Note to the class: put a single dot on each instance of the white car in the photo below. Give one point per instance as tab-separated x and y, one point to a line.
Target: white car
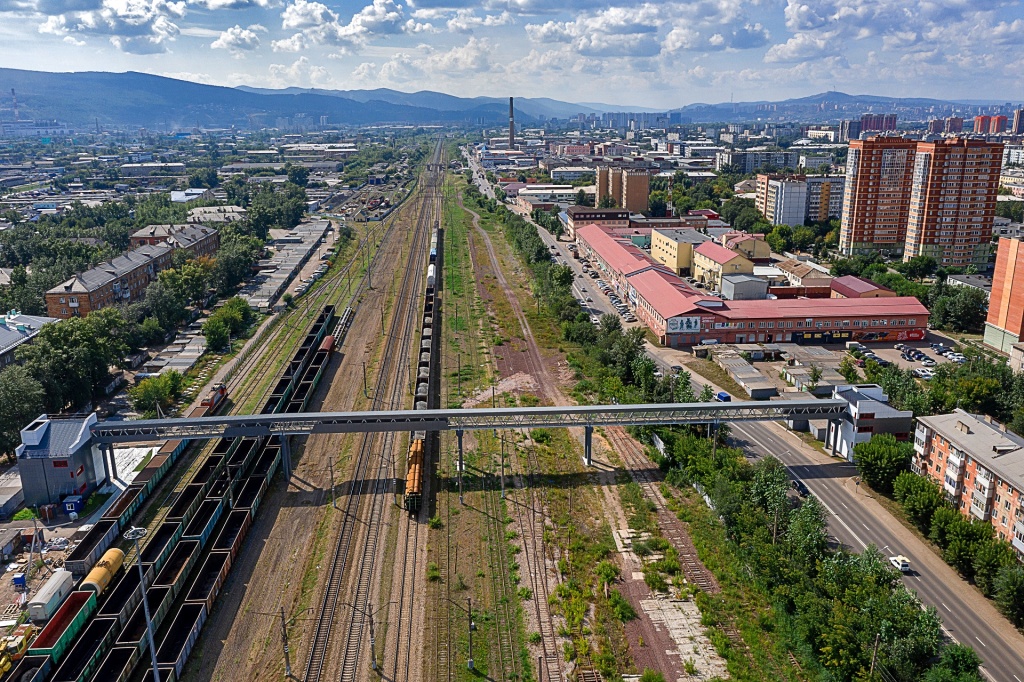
900	563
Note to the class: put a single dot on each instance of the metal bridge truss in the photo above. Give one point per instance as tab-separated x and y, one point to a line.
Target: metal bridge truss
584	416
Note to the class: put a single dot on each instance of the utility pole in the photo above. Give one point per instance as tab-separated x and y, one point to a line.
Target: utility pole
366	390
874	656
503	466
333	502
469	612
284	643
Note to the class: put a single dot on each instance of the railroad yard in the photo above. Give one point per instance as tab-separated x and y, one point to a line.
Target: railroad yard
363	556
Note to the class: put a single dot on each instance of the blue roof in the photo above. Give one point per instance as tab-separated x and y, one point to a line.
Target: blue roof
60	437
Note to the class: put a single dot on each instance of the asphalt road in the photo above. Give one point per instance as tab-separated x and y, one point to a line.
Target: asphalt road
967	617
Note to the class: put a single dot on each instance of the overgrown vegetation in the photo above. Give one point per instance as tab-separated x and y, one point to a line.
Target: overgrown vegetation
829	605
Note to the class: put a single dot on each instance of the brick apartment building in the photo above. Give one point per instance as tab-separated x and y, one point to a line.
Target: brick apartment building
578	216
1005	324
980	467
125	278
953	201
629	188
876	205
198	239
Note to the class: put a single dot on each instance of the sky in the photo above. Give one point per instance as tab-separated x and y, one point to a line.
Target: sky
651	54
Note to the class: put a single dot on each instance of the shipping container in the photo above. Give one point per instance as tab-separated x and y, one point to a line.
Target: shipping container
205	520
50	596
161	544
118	665
65	625
179	565
210	578
87	653
186	503
92	547
31	669
125	505
122	597
232	535
251	493
134	632
181	637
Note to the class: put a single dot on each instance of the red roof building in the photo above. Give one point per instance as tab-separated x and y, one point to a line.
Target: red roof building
850	286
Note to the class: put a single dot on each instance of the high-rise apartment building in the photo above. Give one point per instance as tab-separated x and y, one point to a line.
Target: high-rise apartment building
870	123
1018	122
1005	324
876	200
936	126
982	123
953	201
954	124
997	125
794	199
849	130
629	188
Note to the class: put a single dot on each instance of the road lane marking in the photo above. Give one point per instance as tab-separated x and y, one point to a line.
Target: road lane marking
866	527
949	634
946	607
843	503
917	577
981	642
1014	676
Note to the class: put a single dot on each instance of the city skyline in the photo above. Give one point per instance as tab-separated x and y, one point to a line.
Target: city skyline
624	53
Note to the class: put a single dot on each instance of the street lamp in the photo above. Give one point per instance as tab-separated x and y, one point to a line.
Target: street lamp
135	534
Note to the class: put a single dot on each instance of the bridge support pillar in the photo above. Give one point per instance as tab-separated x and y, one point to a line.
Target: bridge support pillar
458	434
588	445
286	458
109	447
834	426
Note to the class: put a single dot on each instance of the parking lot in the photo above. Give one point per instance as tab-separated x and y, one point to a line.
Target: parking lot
898	356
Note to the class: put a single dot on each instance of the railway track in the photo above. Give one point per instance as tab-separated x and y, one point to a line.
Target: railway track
645	473
389	375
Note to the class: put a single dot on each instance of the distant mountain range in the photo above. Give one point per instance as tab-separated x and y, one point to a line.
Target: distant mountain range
85	99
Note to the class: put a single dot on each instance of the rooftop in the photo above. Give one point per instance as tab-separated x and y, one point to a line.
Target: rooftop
620	257
685	235
996	449
716	252
852	286
96	277
47	438
801	270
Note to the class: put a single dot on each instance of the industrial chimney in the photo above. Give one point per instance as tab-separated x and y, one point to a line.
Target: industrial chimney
511	125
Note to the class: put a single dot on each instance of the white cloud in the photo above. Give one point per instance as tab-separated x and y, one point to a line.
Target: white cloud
801	47
466	20
134	26
238	40
300	73
294	43
232	4
320	25
475	57
71	40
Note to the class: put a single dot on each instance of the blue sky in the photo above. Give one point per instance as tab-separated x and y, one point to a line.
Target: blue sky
657	54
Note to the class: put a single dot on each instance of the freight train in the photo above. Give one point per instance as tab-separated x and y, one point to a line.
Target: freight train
426	393
98	632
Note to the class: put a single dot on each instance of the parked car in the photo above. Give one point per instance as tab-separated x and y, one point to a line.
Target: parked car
927	362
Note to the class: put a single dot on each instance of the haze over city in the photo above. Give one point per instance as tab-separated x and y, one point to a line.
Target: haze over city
644	54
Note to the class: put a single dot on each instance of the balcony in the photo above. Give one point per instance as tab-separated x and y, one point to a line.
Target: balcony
955	459
980	507
1018	533
951	486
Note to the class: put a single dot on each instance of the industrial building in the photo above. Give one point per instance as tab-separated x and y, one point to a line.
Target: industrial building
57	458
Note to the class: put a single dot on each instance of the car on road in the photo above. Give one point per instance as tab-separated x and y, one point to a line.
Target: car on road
801	487
676	368
900	563
723	397
589	300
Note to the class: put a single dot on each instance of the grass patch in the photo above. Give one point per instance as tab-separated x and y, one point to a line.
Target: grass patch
718	376
145	461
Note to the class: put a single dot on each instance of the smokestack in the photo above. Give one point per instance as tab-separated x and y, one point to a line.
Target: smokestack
15	99
511	124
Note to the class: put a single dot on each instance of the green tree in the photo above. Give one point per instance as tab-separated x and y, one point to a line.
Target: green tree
683	389
770	487
989	559
217	333
298	175
607	201
707	394
21	400
203	177
160	390
234	262
808	531
651	676
881	459
849	370
166	303
657	203
919	267
1010	593
920	498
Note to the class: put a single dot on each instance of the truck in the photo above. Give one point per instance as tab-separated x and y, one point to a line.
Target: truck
51	596
723	397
